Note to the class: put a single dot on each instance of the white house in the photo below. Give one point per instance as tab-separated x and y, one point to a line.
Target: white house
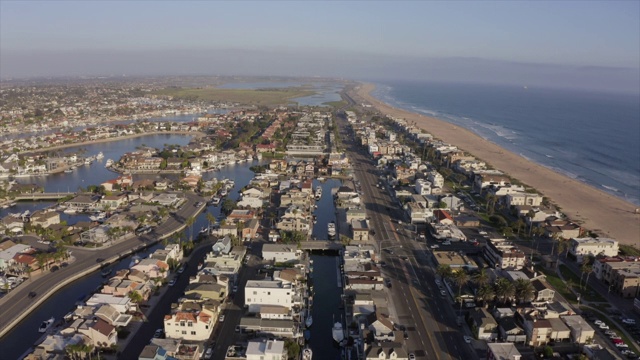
423	187
268	292
266	349
280	253
121	304
588	246
190	325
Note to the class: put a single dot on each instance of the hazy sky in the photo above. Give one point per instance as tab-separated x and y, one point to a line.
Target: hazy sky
574	43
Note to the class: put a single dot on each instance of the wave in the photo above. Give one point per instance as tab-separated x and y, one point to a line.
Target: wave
549	156
610	188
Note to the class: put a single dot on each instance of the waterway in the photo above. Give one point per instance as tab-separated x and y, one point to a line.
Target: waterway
327	295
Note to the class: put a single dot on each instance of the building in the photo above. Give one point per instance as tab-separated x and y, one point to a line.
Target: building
455	260
581	247
386	350
502	351
543	292
269	292
581	331
359	230
280	253
190	325
483	325
504	255
266	349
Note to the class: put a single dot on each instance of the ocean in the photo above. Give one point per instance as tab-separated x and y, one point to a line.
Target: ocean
588	136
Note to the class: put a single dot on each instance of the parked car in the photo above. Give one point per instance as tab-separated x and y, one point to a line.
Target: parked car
604	326
221	318
438	282
209	353
412	356
629	321
598	322
467	339
435	246
32	294
172	282
158	334
443	293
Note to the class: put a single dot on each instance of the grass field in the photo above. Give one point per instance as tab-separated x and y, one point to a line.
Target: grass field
267	97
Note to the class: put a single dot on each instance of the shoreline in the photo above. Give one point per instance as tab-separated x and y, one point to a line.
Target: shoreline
593	209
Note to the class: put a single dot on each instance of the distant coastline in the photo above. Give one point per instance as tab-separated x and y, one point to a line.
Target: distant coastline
593	208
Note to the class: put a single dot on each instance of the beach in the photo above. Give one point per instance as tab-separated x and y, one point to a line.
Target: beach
595	210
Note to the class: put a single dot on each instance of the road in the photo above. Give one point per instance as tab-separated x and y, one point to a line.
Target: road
13	306
429	318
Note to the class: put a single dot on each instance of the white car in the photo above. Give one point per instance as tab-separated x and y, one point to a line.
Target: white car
436	246
604	327
412	356
172	282
209	353
629	321
467	339
598	322
221	318
438	282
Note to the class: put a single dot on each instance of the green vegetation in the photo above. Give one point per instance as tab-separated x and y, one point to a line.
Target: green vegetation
336	104
629	250
589	295
559	285
259	97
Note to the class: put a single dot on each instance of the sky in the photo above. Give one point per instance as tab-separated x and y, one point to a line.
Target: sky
584	44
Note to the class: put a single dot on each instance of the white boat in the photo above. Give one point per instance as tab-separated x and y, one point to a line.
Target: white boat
307	354
68	171
215	200
331	229
223	192
98	217
70	211
108	163
46	325
318	193
309	321
337	332
100	155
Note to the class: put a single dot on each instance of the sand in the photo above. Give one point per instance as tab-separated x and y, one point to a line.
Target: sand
594	209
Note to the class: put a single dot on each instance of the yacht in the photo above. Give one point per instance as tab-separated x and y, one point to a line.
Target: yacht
46	325
98	217
108	163
318	193
100	155
215	201
68	171
309	321
307	354
331	229
70	211
337	332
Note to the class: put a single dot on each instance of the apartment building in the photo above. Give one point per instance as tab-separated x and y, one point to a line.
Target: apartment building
581	247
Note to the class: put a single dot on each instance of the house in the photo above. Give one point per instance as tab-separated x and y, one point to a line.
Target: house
269	327
502	351
100	333
280	253
121	304
250	229
483	325
381	326
212	291
113	201
153	268
581	331
356	214
222	246
359	230
443	217
504	255
386	351
112	316
12	224
190	325
45	219
543	292
269	292
581	247
266	349
510	331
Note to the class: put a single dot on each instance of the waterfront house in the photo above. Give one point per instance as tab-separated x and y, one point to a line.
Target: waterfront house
269	327
269	292
359	230
381	326
83	203
98	235
153	268
581	247
112	316
190	325
385	351
45	219
12	224
280	253
266	349
100	333
122	304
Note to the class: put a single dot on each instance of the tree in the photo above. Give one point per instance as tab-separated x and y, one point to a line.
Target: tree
523	290
460	277
211	219
189	222
547	352
485	294
563	246
444	271
504	289
481	278
585	268
293	349
519	224
491	203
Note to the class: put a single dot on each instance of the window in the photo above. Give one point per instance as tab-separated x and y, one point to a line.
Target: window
184	332
193	333
190	324
181	323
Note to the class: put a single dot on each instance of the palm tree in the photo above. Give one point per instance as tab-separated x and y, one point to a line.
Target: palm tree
189	222
504	289
523	290
563	245
460	277
585	268
481	278
135	297
519	224
444	271
211	219
491	203
485	294
530	215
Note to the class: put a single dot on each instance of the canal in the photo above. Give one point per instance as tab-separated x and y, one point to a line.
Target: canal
326	293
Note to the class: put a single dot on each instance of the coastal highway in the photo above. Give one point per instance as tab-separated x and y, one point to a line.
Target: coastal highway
428	317
17	303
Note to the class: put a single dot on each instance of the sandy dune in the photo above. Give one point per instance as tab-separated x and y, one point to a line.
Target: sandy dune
596	210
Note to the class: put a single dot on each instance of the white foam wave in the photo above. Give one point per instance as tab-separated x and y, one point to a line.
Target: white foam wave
610	188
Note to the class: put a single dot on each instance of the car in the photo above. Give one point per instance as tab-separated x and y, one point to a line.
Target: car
610	332
221	318
438	282
172	282
617	341
412	356
158	334
235	288
436	246
467	339
208	353
406	335
238	328
622	346
604	326
443	293
405	258
598	322
446	243
383	264
32	294
181	269
629	321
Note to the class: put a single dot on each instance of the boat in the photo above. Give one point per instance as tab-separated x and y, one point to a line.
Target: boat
87	161
321	179
307	354
100	155
46	325
68	171
204	230
106	272
309	321
98	217
331	229
70	211
108	163
337	332
318	193
223	192
215	200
